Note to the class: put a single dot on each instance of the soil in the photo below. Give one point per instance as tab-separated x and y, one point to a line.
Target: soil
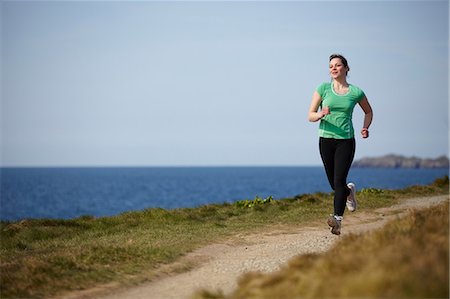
218	266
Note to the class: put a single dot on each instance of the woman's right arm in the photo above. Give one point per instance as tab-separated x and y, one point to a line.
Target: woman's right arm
313	115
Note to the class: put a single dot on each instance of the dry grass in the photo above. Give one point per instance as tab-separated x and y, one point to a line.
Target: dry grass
408	258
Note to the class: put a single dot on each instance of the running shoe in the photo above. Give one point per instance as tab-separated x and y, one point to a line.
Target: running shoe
335	223
351	198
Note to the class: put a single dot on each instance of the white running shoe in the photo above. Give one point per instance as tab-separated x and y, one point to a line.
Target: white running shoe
335	223
351	198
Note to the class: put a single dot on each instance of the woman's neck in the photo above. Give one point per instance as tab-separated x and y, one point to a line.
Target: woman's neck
340	82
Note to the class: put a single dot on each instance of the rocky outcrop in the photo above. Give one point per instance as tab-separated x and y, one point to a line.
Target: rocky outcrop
397	161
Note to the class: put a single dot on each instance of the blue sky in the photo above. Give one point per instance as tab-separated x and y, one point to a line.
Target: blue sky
214	83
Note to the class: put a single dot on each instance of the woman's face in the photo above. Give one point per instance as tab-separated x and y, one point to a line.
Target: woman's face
337	68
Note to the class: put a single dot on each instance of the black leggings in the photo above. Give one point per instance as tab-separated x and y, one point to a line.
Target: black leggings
337	157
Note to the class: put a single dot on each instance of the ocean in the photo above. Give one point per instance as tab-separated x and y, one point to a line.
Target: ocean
66	193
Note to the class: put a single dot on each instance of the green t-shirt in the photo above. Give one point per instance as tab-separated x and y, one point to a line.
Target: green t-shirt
338	124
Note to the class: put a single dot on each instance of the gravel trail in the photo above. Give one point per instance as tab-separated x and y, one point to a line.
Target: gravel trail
218	266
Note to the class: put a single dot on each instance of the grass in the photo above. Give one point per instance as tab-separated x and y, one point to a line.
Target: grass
40	258
408	258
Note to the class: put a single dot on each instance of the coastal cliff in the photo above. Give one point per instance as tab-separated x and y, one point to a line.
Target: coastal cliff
398	161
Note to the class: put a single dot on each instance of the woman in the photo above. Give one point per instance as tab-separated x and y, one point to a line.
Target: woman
337	143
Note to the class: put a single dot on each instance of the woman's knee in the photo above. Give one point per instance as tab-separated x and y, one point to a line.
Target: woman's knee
340	186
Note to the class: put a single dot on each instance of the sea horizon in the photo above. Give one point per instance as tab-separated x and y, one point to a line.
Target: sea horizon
70	192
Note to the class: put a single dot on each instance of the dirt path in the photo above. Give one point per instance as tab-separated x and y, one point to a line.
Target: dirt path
218	266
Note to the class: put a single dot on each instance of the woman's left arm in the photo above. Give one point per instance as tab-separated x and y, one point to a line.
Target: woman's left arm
368	116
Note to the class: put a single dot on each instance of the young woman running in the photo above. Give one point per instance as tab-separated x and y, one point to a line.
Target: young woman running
337	143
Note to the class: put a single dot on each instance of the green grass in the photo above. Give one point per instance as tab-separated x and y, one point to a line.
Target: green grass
408	258
42	257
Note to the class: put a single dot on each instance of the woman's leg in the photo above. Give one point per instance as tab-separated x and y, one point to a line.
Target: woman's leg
327	150
344	154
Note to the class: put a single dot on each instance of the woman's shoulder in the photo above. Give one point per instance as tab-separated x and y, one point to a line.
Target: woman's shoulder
356	88
323	86
357	91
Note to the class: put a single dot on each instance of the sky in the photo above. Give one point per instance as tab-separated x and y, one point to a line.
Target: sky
214	83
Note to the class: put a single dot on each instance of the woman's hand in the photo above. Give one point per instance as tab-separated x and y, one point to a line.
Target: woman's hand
313	115
325	111
368	115
365	133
